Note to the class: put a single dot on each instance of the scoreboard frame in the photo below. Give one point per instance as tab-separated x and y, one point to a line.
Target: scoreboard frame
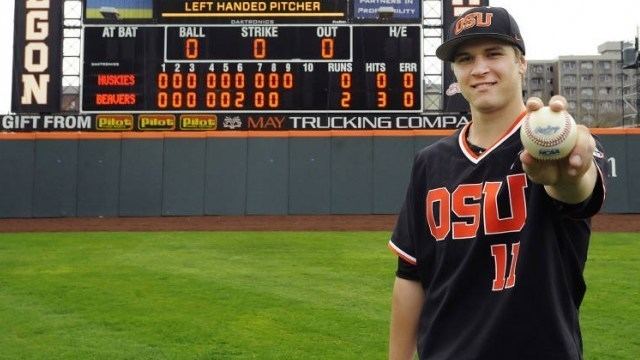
61	99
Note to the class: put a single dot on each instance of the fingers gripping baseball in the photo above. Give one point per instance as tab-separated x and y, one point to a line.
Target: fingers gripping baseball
581	157
568	170
556	103
557	151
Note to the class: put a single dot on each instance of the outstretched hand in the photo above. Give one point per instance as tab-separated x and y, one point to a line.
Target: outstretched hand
562	177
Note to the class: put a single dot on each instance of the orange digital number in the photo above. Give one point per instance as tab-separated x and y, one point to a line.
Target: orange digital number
382	99
176	100
258	81
345	80
287	81
345	101
259	48
381	80
274	99
225	99
258	99
327	46
191	100
239	102
239	81
192	80
163	81
211	81
225	81
163	100
191	46
408	99
176	81
274	80
408	80
211	100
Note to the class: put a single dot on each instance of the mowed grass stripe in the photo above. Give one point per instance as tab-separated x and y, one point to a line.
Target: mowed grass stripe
610	312
244	295
233	295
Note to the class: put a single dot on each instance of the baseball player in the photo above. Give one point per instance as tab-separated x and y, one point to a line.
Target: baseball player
491	242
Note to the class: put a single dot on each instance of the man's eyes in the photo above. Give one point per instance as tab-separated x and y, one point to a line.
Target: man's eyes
465	58
461	59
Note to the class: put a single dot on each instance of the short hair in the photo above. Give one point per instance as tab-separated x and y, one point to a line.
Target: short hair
519	53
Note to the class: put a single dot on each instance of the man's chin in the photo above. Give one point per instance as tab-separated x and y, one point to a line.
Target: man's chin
484	105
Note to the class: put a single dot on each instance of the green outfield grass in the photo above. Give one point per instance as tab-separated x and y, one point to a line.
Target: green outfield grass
244	295
124	13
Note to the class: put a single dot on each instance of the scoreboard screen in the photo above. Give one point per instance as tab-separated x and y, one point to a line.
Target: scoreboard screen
229	65
234	56
275	67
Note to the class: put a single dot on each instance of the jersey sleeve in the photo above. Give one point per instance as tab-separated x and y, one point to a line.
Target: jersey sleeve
402	241
407	271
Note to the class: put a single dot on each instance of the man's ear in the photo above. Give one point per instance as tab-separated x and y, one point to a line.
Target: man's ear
522	64
453	70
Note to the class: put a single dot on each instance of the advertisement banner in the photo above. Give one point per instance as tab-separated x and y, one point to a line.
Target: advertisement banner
387	9
230	122
37	56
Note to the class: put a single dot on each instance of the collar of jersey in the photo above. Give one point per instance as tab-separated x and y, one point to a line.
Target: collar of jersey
471	155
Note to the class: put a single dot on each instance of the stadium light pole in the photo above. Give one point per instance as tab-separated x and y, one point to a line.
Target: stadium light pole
622	79
631	60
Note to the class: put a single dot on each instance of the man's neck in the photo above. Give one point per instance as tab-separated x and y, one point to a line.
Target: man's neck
487	127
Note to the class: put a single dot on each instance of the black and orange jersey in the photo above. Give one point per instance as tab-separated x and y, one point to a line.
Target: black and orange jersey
500	261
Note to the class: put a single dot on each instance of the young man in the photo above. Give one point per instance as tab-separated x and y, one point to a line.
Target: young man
491	242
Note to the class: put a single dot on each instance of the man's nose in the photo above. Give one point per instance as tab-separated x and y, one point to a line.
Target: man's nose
480	66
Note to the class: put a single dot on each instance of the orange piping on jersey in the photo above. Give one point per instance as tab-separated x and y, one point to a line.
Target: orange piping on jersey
507	133
465	144
475	158
404	256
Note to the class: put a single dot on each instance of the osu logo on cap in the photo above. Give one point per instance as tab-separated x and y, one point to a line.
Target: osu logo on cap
473	19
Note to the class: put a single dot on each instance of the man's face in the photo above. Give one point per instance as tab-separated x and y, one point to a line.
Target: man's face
489	74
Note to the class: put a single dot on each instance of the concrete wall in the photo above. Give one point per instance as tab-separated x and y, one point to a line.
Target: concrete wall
236	173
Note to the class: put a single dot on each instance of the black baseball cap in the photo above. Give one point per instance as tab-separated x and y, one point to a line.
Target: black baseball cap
480	23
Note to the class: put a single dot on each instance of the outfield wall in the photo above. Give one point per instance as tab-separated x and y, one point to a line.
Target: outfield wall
236	173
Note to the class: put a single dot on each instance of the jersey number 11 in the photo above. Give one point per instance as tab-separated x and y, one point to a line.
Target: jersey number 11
499	253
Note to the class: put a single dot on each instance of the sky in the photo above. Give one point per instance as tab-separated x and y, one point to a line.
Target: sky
550	28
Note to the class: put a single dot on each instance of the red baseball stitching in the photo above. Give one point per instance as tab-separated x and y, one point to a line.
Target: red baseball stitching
553	141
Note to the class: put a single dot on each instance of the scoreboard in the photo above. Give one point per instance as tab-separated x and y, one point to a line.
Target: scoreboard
222	65
280	67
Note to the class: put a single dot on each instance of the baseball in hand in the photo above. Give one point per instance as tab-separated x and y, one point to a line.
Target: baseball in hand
547	134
